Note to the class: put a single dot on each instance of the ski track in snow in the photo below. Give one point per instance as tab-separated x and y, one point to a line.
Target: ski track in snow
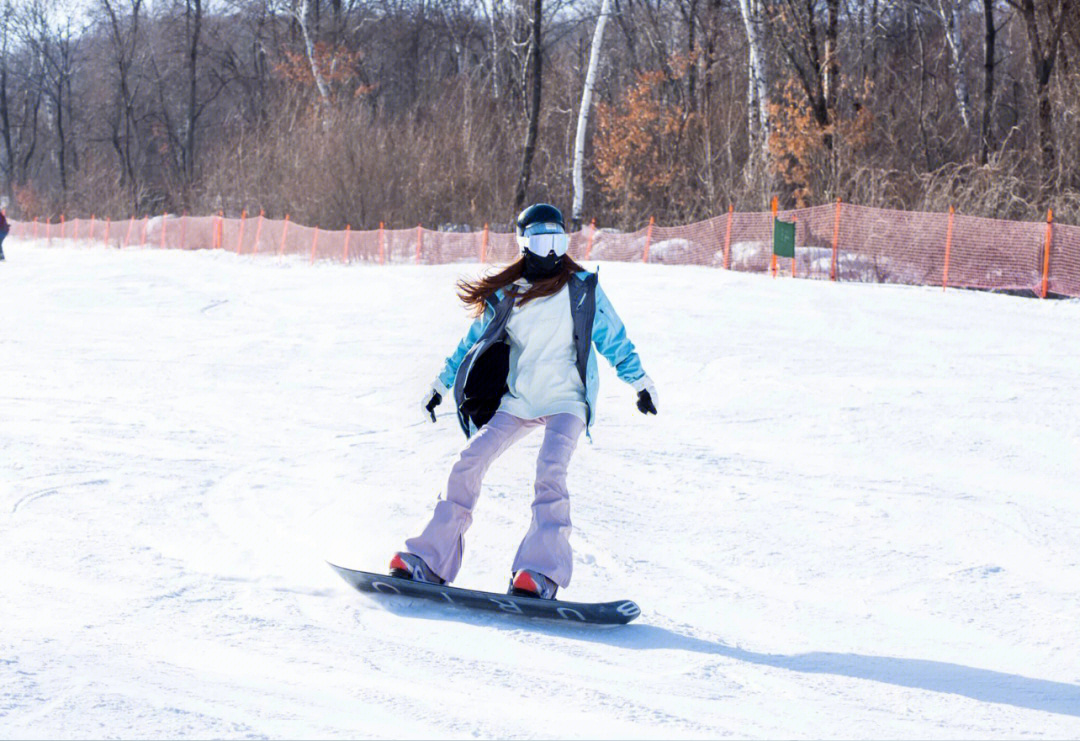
855	515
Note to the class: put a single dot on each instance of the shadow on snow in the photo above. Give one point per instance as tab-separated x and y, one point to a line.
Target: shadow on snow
983	685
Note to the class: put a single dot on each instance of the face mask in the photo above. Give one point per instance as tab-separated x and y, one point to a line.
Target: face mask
539	268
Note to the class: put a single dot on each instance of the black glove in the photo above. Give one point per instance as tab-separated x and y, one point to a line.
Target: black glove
433	401
645	403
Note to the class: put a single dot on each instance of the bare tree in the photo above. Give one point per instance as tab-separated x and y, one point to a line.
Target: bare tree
306	15
124	34
583	112
6	47
193	10
757	84
803	44
1043	50
55	47
989	62
536	65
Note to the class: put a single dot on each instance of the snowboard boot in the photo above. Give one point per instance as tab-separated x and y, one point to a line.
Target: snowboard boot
528	583
405	565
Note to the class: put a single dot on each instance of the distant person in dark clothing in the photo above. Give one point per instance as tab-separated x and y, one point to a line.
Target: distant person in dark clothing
3	232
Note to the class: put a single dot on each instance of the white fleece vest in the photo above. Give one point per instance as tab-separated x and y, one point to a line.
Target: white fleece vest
543	377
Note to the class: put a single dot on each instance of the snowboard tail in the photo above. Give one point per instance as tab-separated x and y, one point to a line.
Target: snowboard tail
600	613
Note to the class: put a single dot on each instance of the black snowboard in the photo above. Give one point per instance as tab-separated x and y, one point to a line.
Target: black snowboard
601	613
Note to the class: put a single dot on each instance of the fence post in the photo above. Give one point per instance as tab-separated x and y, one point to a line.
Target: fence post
93	220
35	227
75	230
794	253
835	241
775	206
108	229
484	245
382	243
240	236
284	231
164	219
1046	251
948	249
345	251
258	231
127	234
592	236
648	239
63	225
727	237
314	242
419	241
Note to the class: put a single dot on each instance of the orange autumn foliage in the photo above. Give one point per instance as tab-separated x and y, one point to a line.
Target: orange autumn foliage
638	141
340	67
805	155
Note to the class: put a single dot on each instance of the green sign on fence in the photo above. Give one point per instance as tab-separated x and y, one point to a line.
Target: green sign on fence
783	240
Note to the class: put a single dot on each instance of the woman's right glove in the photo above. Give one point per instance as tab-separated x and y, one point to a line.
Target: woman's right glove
646	395
431	400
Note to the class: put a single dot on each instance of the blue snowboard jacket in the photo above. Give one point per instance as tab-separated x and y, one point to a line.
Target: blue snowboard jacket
478	369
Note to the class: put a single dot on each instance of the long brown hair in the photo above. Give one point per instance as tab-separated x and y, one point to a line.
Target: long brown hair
476	292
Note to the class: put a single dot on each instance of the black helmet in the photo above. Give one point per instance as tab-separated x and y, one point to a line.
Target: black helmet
539	212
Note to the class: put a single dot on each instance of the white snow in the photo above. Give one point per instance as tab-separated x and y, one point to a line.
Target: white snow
856	514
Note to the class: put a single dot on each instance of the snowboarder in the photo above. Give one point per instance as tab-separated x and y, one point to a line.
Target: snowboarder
527	361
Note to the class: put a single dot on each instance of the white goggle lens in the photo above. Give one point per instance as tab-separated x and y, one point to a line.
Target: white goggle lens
541	244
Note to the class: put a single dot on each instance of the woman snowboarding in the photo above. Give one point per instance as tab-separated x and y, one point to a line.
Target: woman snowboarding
527	361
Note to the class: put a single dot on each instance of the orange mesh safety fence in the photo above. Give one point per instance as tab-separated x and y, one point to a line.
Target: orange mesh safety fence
1065	260
837	241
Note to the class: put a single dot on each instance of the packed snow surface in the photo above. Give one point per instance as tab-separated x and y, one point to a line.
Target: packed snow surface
856	515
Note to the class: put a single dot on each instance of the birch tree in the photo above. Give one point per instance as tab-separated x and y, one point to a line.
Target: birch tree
757	89
304	13
583	113
947	9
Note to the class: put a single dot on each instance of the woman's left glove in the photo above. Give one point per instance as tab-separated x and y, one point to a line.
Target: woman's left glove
432	398
646	395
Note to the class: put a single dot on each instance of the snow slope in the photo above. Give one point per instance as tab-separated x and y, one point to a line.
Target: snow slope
856	514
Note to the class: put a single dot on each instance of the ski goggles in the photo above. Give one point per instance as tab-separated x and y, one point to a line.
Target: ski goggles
542	238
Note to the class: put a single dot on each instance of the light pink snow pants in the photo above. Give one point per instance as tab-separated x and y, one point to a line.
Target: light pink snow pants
546	547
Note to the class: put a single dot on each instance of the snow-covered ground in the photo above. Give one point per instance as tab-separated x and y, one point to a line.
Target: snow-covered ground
856	515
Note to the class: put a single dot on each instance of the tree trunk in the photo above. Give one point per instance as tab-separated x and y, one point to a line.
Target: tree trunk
61	141
583	114
955	41
5	114
306	16
757	90
832	56
535	59
989	40
691	48
493	23
194	23
124	59
1043	55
